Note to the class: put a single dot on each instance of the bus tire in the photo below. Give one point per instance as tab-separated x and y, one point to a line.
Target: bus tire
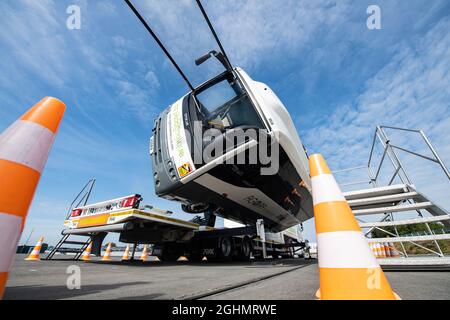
224	250
245	250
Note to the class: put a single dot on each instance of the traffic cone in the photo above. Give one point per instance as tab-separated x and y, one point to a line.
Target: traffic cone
373	249
344	274
382	250
35	254
126	254
387	250
144	254
87	253
24	149
391	250
107	255
394	250
378	249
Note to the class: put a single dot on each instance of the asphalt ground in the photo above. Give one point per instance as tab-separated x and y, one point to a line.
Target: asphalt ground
282	279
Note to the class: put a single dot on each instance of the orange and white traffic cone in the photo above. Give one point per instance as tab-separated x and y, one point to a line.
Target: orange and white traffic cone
348	270
87	253
35	255
24	149
394	250
387	250
382	250
126	254
107	255
373	249
378	249
144	255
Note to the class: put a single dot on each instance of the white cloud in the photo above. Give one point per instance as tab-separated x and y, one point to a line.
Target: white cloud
41	48
152	80
412	91
37	50
106	7
251	31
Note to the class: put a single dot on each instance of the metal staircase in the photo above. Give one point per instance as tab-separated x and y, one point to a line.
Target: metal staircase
392	201
76	247
61	248
397	198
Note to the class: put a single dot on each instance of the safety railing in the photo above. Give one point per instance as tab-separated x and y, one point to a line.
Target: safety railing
389	151
82	197
374	173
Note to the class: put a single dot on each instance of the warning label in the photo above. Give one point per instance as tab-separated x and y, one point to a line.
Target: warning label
185	169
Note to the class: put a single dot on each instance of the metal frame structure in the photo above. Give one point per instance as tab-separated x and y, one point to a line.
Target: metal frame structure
389	150
80	200
82	197
373	171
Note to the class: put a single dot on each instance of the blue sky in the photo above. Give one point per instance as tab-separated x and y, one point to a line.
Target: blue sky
337	78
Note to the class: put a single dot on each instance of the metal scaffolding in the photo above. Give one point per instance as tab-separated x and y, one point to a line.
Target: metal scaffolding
388	199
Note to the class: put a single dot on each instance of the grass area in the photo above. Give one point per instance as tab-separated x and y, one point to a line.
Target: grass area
412	249
417	229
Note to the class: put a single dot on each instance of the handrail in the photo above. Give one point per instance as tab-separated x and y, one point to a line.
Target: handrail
389	150
398	128
349	169
87	189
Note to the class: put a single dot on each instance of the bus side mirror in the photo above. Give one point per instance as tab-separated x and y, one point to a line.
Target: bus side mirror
219	56
203	58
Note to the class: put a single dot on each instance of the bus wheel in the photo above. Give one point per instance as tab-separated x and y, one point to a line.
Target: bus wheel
169	254
223	251
245	250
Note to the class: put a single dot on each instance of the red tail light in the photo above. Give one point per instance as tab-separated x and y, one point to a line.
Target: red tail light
129	202
76	213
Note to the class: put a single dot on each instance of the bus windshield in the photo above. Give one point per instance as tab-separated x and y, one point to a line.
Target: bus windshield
226	105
